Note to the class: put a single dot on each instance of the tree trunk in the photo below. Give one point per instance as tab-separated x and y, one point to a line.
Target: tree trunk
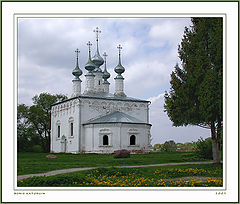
215	145
215	150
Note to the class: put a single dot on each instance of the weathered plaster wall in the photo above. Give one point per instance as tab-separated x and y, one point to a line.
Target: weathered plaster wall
86	138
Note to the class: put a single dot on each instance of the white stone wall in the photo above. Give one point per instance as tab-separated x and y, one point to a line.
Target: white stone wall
76	87
106	87
142	133
86	138
119	87
98	80
89	85
95	108
119	137
63	114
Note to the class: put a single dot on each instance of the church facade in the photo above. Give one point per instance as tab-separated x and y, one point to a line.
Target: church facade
96	121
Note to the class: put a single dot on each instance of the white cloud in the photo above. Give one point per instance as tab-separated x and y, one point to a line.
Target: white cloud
168	32
162	129
155	98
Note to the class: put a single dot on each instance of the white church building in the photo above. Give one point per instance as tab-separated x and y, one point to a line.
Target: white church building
96	121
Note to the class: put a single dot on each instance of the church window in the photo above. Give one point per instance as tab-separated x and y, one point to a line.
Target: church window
99	82
70	126
133	140
71	129
58	131
105	140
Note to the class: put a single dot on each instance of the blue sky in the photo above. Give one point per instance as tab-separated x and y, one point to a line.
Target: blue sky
46	58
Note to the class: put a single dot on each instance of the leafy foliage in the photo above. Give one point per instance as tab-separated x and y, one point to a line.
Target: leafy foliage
176	173
186	147
114	172
58	180
204	148
36	148
157	147
33	123
169	146
196	94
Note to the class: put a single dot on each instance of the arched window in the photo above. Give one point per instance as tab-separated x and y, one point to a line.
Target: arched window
71	126
71	129
58	131
105	140
133	140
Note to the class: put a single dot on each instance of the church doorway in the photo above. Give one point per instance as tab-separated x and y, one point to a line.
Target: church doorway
63	144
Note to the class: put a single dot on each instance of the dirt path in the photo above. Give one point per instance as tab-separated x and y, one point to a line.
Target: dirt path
63	171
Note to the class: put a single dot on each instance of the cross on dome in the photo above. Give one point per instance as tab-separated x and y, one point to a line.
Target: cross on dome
97	59
105	56
77	51
97	31
119	48
89	44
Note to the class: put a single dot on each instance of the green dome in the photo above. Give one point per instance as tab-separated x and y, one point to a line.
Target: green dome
77	72
106	75
98	61
90	66
119	69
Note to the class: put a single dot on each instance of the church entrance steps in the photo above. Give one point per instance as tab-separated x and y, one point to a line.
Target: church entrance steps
63	171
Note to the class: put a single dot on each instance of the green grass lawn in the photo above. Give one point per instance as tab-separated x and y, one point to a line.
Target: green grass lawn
29	163
133	177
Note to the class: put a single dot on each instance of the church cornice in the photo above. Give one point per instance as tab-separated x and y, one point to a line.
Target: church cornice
106	98
116	123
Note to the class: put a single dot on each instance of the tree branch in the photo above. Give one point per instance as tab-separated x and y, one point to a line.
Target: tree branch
204	126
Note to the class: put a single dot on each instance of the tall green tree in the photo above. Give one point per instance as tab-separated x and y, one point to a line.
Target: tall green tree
26	134
196	93
34	122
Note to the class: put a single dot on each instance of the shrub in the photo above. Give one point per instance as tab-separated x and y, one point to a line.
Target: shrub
57	180
157	147
117	172
37	148
123	153
181	172
169	146
204	148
